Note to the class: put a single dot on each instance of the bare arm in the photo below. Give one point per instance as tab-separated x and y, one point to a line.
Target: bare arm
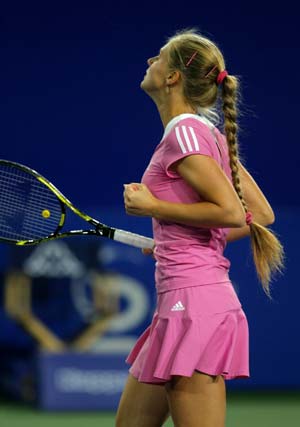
256	202
221	208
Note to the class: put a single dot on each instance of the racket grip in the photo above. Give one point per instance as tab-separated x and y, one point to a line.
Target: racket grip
133	239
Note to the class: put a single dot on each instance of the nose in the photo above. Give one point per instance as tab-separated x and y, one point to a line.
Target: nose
149	61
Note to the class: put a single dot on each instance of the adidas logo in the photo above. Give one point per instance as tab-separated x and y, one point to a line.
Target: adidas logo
178	306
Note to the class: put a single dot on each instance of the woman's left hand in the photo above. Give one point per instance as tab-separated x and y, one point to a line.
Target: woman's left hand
139	200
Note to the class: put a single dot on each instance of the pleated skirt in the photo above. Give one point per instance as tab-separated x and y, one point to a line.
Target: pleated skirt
198	328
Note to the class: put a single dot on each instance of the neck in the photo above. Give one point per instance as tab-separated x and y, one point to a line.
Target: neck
167	114
172	106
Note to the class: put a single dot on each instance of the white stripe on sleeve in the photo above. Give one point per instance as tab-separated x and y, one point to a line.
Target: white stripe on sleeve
194	138
180	142
187	139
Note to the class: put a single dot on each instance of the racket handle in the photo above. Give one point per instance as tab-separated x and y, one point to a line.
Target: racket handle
133	239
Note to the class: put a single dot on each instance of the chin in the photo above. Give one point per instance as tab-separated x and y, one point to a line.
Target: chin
147	86
143	85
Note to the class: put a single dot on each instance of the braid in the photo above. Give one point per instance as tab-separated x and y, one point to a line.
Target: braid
266	248
231	128
200	63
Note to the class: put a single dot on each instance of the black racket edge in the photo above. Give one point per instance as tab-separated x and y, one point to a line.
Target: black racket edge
53	236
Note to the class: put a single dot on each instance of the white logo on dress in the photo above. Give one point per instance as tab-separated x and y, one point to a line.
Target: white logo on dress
178	306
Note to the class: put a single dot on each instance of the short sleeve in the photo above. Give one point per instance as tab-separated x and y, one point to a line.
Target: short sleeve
183	141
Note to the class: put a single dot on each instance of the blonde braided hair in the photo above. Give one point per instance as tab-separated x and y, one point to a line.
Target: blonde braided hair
266	248
200	62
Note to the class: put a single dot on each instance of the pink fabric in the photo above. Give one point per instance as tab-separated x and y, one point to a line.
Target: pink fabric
186	254
207	332
199	323
249	218
221	77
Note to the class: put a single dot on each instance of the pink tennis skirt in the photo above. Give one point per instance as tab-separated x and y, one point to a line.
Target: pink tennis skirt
200	328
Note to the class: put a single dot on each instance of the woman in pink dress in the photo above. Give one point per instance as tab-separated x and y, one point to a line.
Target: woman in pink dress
199	197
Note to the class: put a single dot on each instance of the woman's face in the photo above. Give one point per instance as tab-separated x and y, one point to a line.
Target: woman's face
157	72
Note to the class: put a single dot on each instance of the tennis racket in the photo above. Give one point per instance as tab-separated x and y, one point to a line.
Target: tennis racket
32	210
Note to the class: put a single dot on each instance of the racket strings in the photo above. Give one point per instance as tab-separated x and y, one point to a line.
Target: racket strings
13	203
26	221
28	209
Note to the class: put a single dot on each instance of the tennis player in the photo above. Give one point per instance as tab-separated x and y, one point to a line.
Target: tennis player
200	197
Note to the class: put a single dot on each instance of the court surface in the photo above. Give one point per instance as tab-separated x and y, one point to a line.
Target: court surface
254	409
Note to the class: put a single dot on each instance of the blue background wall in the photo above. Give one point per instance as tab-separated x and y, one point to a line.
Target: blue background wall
71	107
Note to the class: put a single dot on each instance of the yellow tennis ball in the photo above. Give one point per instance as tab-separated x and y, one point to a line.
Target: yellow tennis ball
46	213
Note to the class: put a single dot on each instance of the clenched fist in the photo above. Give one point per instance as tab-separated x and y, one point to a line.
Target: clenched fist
139	200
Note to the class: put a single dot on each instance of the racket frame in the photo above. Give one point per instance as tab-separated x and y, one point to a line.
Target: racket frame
100	229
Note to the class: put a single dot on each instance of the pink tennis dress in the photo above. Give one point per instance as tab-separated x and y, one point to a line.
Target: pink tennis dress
199	323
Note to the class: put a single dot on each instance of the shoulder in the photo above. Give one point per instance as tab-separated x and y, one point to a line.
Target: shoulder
198	123
189	135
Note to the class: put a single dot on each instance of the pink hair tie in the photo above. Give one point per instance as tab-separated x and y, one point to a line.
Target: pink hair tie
249	218
221	77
